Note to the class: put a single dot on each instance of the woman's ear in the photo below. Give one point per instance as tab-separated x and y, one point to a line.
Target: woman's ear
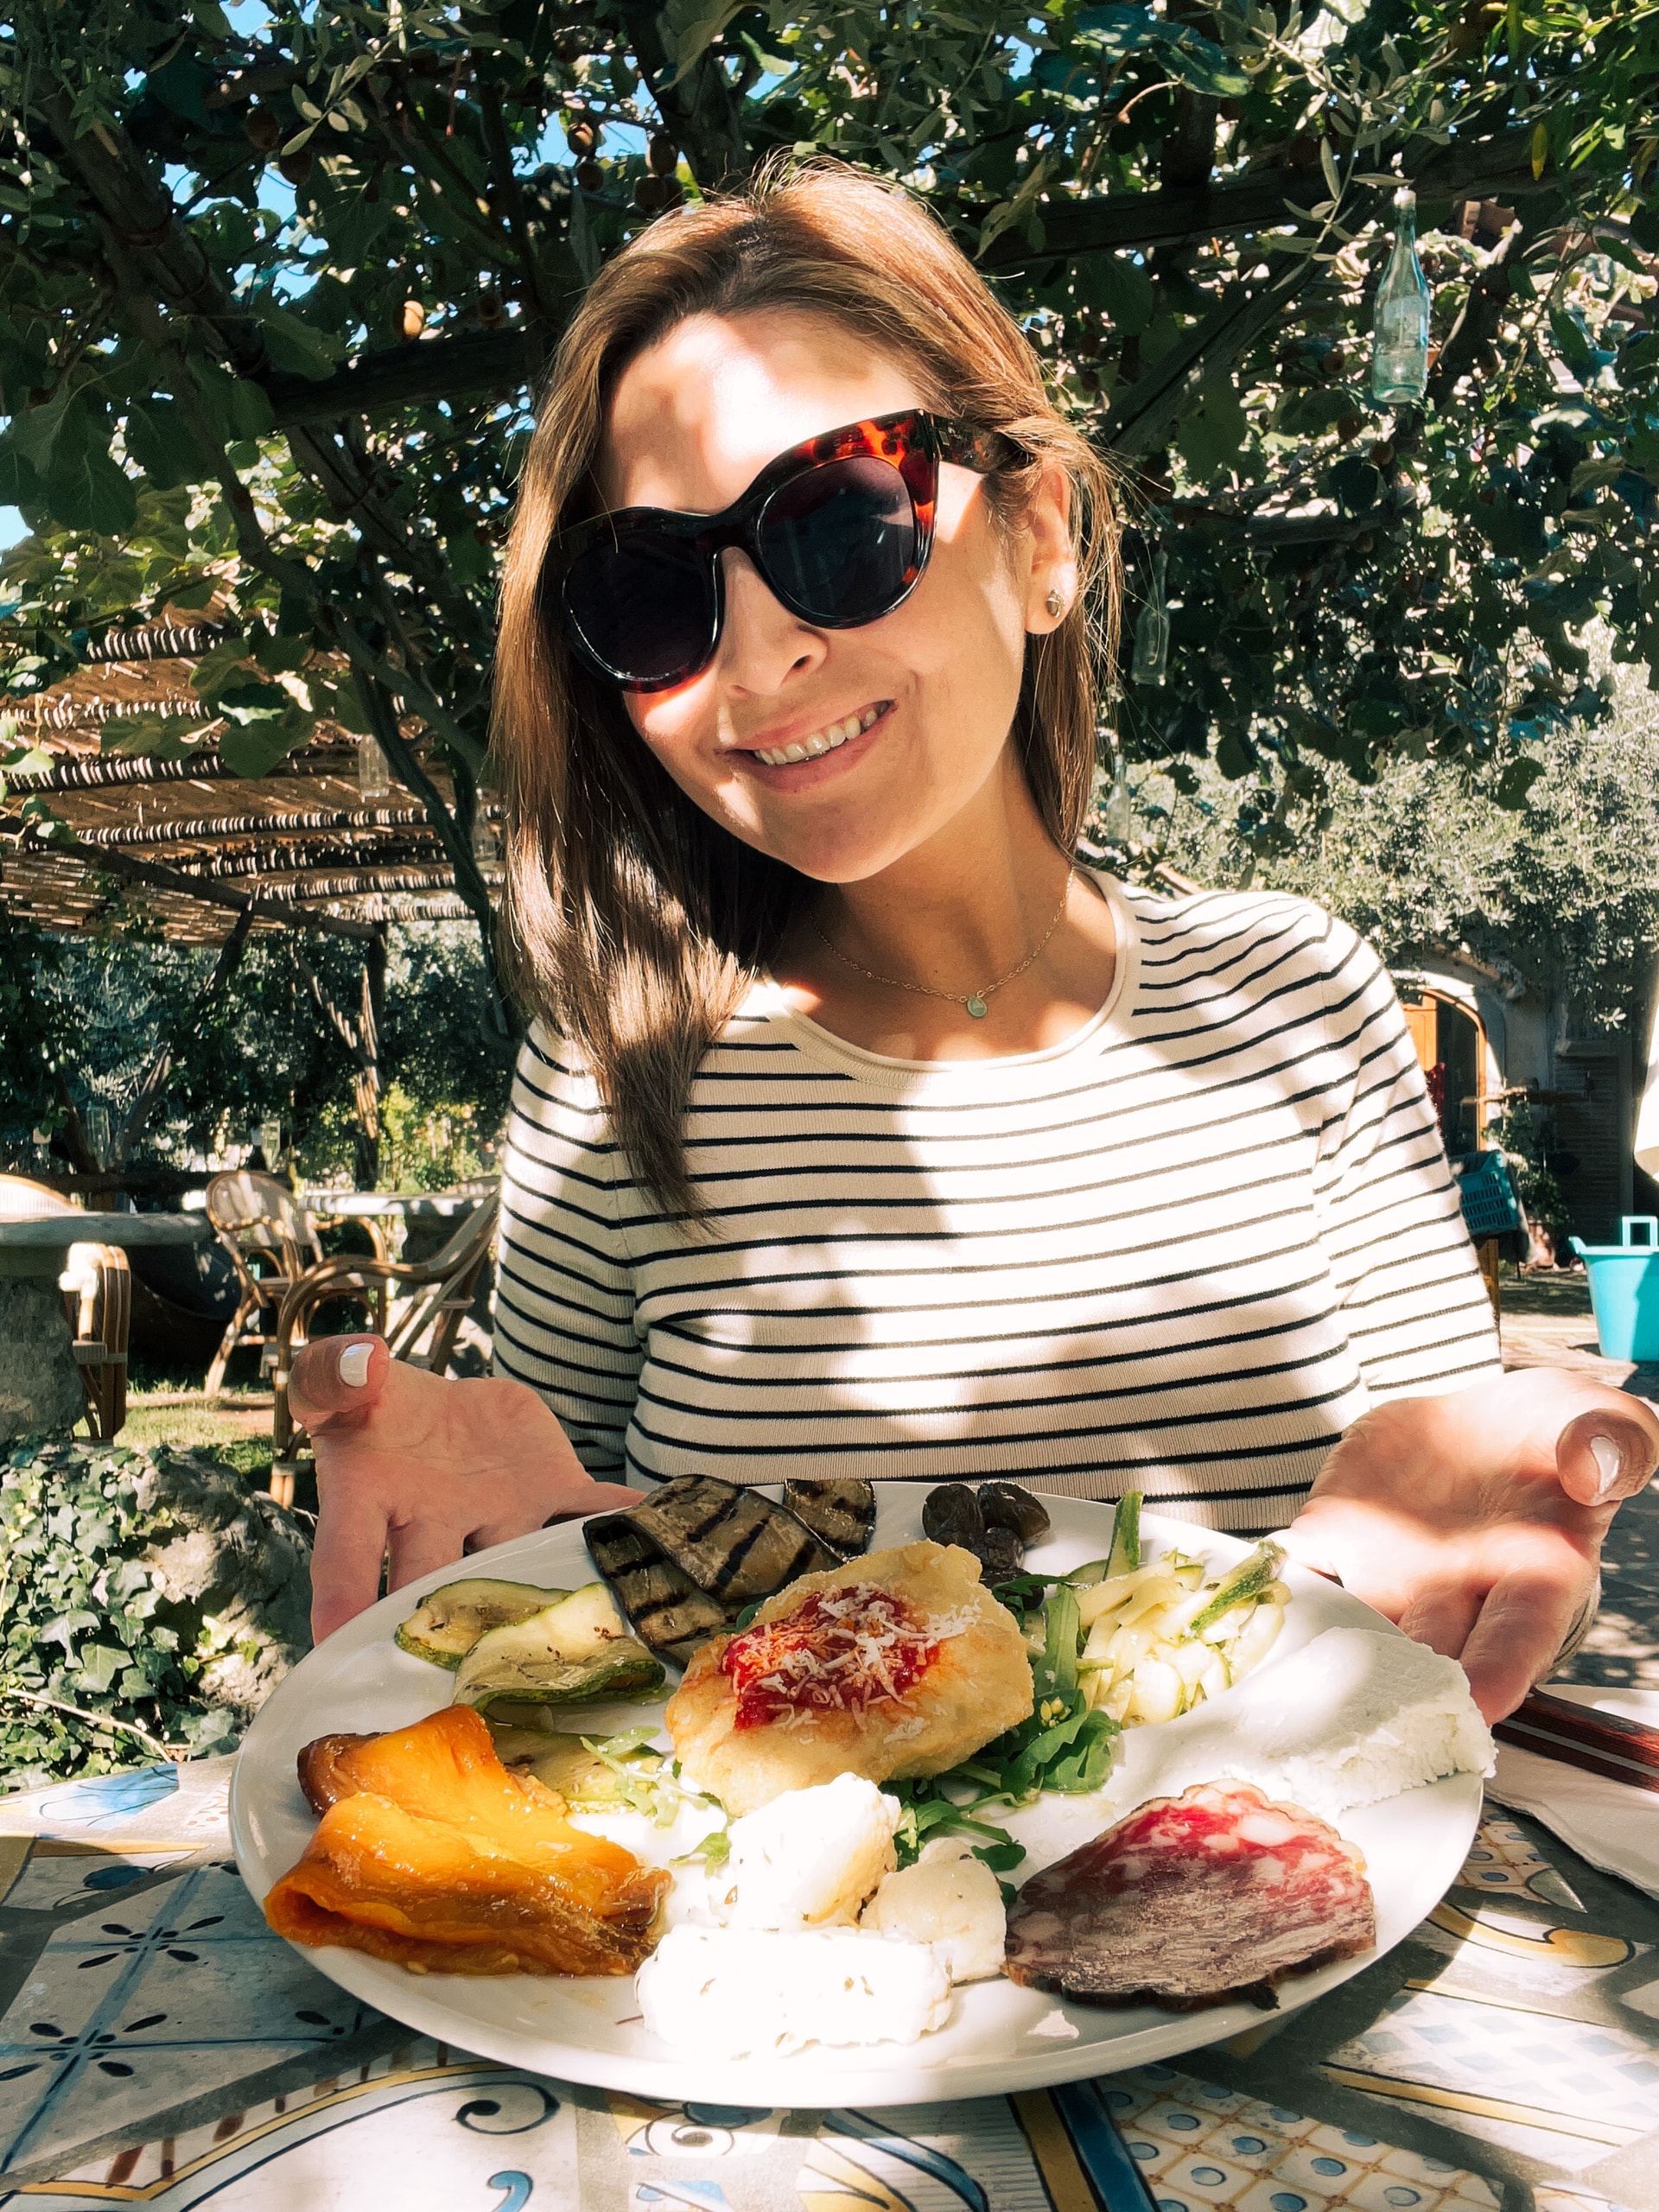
1052	574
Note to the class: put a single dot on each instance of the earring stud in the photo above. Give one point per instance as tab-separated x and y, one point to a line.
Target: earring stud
1055	604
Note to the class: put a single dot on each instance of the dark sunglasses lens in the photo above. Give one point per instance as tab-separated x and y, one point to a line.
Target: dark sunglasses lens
644	606
840	541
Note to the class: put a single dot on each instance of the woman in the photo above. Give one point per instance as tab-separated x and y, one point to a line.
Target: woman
865	1127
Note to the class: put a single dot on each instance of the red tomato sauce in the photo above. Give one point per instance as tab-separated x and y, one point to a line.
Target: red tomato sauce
839	1651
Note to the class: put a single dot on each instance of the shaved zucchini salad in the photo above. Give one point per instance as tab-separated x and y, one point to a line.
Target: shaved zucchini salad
1158	1638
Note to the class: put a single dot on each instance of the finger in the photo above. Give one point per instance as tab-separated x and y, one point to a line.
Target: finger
350	1542
1442	1614
597	1497
336	1377
1608	1453
1522	1627
420	1545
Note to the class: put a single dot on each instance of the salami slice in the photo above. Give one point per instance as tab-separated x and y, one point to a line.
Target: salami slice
1193	1900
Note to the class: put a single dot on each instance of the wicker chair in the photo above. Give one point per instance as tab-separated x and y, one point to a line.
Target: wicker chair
97	1288
272	1244
439	1293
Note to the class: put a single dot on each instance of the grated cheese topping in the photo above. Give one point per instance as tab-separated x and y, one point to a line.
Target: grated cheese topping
840	1651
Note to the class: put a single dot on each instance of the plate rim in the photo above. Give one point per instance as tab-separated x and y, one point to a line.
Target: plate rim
854	2075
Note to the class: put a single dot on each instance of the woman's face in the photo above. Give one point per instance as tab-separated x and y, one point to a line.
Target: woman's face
929	689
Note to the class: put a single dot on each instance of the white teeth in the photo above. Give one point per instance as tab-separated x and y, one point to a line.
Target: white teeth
821	741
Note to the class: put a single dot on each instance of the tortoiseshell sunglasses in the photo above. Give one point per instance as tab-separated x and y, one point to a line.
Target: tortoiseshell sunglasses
839	527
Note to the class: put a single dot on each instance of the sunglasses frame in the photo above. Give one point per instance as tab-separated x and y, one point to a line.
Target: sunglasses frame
913	442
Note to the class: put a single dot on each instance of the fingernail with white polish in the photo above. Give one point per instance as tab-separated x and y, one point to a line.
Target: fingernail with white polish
354	1369
1607	1458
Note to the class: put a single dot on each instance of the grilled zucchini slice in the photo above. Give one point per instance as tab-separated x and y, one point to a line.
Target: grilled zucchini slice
571	1652
563	1763
450	1621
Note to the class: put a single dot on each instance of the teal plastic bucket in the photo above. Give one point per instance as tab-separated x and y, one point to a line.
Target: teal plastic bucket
1624	1290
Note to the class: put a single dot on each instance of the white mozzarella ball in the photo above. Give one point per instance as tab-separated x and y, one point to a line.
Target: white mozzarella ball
810	1859
737	1992
949	1900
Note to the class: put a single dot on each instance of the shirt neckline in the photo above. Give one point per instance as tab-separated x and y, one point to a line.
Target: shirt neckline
768	999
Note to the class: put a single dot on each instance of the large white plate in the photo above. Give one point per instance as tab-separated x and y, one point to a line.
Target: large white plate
999	2037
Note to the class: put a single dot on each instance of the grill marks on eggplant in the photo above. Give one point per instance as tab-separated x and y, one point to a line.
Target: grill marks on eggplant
840	1510
670	1615
685	1562
734	1543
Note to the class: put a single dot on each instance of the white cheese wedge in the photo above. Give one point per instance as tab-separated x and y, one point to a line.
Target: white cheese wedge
740	1993
948	1900
1355	1716
809	1860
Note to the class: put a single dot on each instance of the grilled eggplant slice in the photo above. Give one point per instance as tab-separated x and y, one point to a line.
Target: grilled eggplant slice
450	1621
732	1541
572	1652
840	1511
668	1614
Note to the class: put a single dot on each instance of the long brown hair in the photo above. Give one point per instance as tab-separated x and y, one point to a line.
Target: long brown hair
636	922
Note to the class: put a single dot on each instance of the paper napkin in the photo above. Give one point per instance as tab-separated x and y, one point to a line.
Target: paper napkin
1610	1824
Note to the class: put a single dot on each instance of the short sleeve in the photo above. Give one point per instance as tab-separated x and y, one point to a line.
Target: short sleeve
1415	1308
564	1317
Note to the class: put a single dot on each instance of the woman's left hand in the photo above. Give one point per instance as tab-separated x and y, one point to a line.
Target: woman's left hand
1475	1521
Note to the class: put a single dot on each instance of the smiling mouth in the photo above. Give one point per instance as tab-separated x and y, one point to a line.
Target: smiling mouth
824	740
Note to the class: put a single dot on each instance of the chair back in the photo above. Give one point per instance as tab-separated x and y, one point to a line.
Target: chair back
258	1217
467	1246
445	1284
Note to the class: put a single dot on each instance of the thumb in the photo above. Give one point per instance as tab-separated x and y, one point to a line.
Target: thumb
1607	1454
335	1379
601	1497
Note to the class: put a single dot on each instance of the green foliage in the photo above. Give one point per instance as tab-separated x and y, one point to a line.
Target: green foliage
348	175
97	1666
259	1051
1433	854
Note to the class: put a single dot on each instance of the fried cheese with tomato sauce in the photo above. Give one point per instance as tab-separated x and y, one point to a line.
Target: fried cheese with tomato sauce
896	1664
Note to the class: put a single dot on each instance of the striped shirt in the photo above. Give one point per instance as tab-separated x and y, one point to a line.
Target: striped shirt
1181	1252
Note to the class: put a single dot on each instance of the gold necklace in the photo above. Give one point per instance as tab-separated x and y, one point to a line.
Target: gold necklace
974	1003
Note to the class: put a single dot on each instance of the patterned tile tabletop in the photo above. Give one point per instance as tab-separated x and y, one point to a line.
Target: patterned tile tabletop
159	2047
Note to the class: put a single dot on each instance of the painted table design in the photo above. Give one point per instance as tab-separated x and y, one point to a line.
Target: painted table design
159	2047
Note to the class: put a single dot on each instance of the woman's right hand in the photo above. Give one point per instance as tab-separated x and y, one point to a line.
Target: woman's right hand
422	1468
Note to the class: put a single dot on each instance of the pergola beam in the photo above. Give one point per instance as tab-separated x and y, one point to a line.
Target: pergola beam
123	866
214	827
106	774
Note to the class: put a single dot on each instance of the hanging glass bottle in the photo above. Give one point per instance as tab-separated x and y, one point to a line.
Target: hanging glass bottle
1117	816
373	770
1149	662
485	851
1400	324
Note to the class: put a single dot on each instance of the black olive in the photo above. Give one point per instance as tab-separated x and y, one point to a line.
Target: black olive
951	1514
1000	1554
1006	1505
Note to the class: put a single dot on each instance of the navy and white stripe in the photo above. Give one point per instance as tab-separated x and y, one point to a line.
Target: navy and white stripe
1182	1252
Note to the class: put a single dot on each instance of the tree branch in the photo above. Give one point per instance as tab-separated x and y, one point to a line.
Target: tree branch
699	112
1491	169
1477	324
142	222
1137	421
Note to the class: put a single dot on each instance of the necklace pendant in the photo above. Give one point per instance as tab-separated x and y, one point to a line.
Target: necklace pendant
976	1007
